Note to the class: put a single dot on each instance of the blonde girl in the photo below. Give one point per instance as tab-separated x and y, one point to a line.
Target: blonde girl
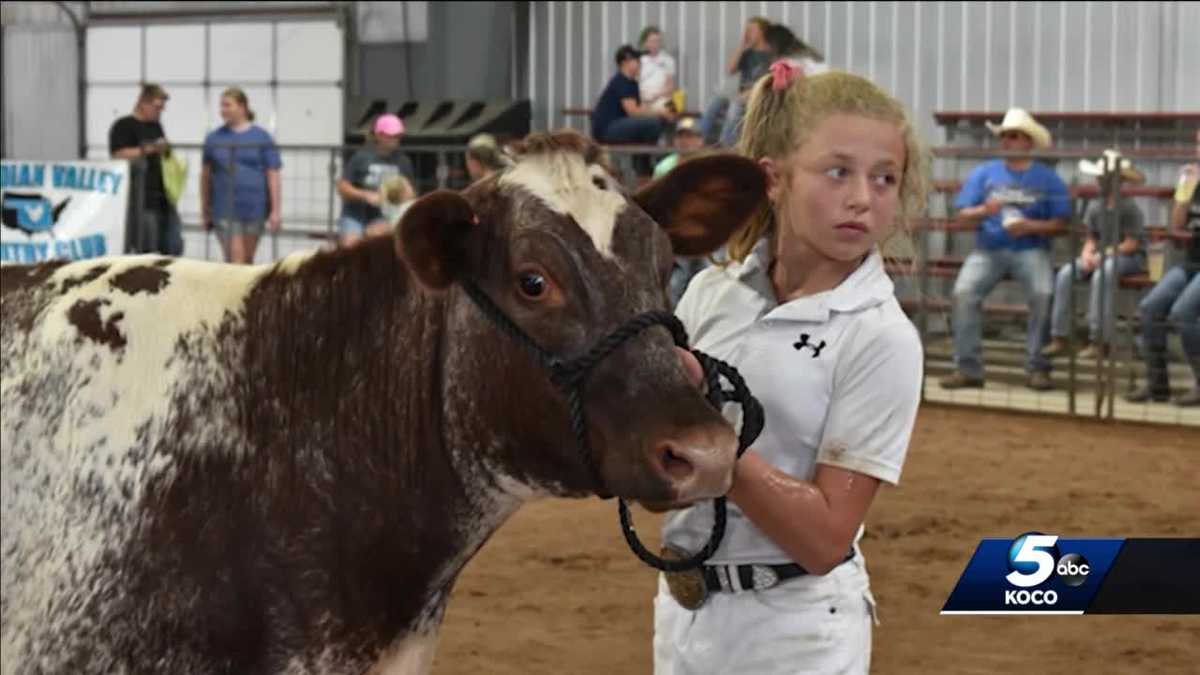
807	314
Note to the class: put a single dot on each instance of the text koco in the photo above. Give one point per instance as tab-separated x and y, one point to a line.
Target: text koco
1024	597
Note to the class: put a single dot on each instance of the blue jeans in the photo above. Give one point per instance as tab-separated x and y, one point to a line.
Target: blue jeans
1115	267
980	273
733	122
633	130
161	231
1174	301
714	112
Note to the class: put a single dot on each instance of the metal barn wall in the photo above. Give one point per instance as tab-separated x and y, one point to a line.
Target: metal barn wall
1068	56
471	54
40	81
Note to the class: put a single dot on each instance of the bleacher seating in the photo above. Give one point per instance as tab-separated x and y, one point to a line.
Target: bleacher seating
1158	142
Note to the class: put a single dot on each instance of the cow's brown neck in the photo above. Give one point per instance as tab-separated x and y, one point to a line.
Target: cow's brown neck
352	469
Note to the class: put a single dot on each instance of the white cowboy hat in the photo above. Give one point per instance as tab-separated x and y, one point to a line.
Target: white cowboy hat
1110	160
1017	119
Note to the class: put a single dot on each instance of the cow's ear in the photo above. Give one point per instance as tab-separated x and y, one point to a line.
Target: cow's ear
702	201
432	237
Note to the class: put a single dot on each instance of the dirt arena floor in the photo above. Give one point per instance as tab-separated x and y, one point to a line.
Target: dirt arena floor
557	591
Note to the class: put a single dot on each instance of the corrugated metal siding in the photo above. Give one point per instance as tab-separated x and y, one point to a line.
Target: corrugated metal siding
1069	56
38	13
41	94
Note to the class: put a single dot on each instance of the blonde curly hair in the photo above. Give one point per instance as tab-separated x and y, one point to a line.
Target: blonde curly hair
778	122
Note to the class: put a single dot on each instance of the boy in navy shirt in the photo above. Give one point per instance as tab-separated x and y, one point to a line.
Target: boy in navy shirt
1016	203
620	117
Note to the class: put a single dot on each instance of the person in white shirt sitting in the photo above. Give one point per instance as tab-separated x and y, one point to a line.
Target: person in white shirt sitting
657	80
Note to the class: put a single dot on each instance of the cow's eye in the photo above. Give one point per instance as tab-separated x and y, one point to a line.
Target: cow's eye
533	285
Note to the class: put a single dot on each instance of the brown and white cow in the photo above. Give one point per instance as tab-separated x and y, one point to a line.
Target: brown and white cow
282	469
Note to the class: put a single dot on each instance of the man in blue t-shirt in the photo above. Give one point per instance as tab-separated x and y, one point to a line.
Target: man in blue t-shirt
1016	203
620	117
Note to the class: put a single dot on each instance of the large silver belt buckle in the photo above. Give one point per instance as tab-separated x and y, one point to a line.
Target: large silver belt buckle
687	587
764	577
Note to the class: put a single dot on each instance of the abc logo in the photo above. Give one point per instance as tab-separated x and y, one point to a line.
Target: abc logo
1073	569
1032	559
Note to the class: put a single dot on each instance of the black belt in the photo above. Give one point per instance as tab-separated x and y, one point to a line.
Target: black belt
753	577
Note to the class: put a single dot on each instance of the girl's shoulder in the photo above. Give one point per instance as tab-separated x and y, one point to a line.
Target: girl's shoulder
885	326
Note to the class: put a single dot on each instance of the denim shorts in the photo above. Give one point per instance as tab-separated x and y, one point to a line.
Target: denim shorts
352	225
233	227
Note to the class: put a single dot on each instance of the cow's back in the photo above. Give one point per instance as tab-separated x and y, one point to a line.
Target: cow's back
101	362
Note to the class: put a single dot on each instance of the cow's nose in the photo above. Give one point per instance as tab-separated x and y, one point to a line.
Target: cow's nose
696	466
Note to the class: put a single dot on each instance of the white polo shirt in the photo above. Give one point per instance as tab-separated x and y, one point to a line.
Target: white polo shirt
654	73
838	374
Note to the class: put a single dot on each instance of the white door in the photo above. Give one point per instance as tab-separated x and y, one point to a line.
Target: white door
291	71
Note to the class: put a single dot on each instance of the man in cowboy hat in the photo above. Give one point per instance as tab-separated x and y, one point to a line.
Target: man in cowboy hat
1016	204
1126	258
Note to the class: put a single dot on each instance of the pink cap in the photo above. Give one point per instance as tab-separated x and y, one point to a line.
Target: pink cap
389	125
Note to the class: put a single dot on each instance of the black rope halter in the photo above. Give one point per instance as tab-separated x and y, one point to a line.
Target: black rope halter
570	375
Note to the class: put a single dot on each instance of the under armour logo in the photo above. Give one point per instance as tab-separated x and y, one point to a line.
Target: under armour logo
816	349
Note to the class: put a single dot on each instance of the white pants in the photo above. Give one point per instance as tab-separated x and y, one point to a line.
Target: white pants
811	624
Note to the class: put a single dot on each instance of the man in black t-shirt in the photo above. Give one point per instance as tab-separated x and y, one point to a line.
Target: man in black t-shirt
140	138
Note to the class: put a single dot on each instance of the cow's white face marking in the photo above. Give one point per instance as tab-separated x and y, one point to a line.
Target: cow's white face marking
567	185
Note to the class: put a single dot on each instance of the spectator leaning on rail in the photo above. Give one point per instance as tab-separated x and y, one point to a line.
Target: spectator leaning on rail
1016	203
361	179
140	135
620	117
1126	258
656	81
239	181
1175	301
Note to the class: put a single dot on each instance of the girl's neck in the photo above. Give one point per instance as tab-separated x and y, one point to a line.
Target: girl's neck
240	126
797	271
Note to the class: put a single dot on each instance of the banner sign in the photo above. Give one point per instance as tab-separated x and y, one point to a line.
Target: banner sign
1040	573
66	210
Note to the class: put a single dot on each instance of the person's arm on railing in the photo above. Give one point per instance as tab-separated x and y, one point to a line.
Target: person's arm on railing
273	192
